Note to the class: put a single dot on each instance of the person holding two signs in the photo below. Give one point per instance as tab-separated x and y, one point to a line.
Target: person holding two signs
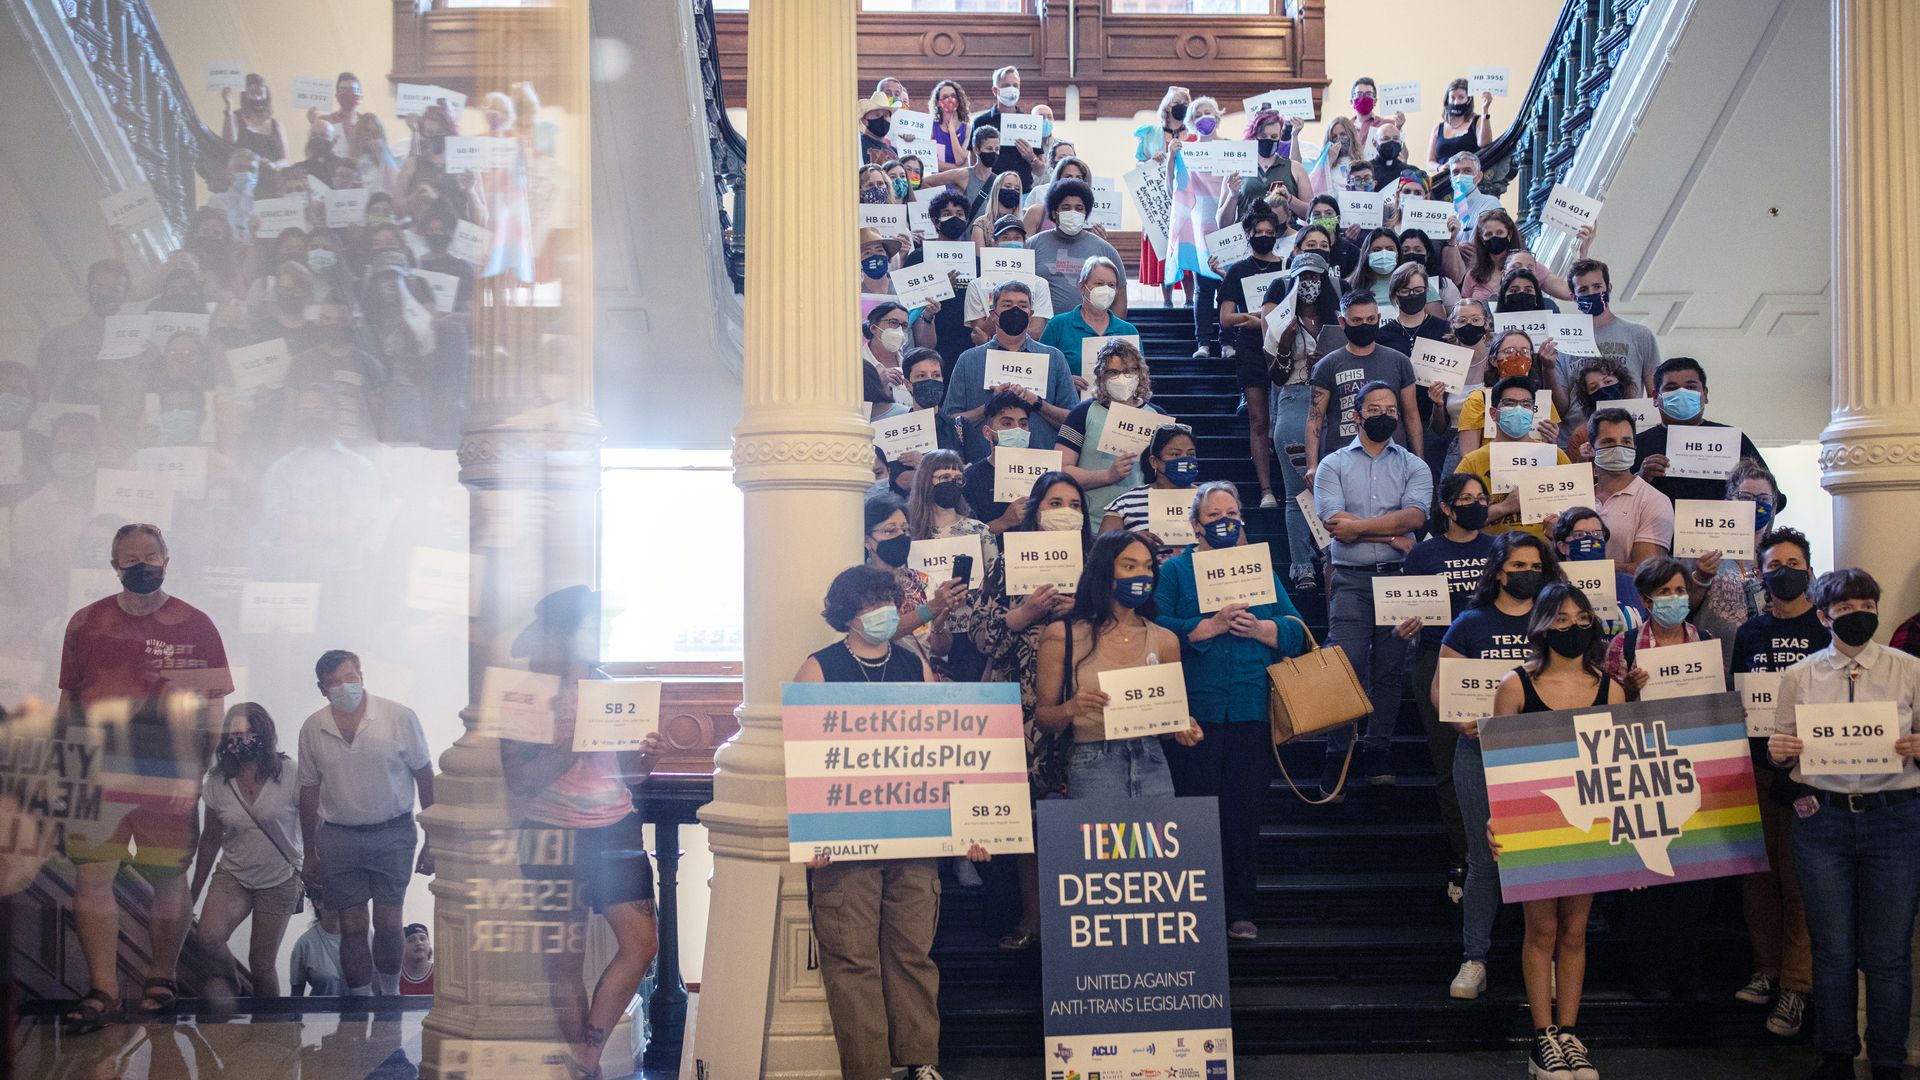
1094	433
1224	653
1846	727
1680	385
1514	404
1173	461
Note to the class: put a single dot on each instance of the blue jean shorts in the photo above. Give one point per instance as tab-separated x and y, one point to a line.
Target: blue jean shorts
1119	769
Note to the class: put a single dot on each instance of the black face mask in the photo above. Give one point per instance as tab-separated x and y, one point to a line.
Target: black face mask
1009	198
142	578
989	157
1262	245
1390	150
1362	334
1616	392
1459	108
1497	245
1267	146
1380	428
1571	641
879	126
1469	334
893	550
1519	301
1786	583
1410	303
952	228
237	750
1014	321
929	392
1471	517
947	494
1178	111
1856	628
1523	584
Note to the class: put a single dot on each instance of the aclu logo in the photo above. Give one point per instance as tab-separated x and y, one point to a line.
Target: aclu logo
1105	1051
1216	1070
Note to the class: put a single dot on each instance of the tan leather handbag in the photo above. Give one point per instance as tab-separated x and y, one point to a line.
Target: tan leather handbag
1311	693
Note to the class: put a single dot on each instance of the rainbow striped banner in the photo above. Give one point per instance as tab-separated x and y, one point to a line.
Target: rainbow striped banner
869	764
1647	793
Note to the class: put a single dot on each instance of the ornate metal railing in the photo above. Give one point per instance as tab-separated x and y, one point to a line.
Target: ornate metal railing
1581	56
729	150
130	64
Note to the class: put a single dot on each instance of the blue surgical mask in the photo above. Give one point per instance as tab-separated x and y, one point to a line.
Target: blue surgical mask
1762	515
1132	592
347	696
1681	404
1593	303
243	183
1670	611
1515	422
1382	262
14	410
320	261
874	266
878	626
1013	438
1011	244
1221	532
1182	471
179	427
1586	547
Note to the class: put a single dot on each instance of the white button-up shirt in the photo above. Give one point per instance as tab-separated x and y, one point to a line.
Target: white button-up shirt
369	780
1829	677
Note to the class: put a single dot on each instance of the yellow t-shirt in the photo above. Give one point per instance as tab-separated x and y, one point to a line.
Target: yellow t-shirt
1473	414
1480	464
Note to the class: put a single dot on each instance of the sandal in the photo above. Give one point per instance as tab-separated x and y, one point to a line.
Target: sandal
90	1015
164	993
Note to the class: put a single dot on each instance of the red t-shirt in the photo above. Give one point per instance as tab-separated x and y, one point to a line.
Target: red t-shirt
408	986
111	654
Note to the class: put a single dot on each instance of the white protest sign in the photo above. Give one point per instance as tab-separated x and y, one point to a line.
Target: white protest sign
1467	687
437	580
226	75
1507	460
1167	515
1033	559
1431	216
1568	209
908	433
446	288
1253	289
1026	126
163	325
1294	104
1281	317
1701	452
1438	362
1760	693
1235	575
1849	738
131	495
416	243
1537	325
1322	539
1554	489
1399	97
134	209
470	242
615	714
467	153
958	255
1016	468
278	215
1129	429
265	364
1221	157
1367	209
996	817
1675	671
1574	332
1596	578
914	286
911	125
933	559
1000	260
412	99
1229	245
1024	369
1491	80
185	466
1090	350
1646	412
1148	184
125	336
889	218
1147	700
920	212
13	459
517	705
316	189
1398	597
312	92
287	607
346	206
1106	204
1703	525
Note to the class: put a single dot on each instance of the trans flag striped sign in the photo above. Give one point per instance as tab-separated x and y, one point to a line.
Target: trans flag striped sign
1647	793
870	766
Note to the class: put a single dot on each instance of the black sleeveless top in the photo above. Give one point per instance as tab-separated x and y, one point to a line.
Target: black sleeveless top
838	664
1449	146
1534	704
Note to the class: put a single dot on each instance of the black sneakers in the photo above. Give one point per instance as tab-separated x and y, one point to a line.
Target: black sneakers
1547	1061
1377	767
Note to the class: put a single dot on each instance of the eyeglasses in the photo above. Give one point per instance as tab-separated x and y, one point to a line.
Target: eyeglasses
1527	405
1763	500
1514	354
1583	620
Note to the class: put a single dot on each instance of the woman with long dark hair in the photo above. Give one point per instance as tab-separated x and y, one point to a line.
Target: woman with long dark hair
253	826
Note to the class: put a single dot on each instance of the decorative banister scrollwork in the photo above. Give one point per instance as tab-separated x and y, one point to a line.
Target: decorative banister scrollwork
1582	53
129	62
729	149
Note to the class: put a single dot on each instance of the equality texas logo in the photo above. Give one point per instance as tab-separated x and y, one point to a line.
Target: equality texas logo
1633	778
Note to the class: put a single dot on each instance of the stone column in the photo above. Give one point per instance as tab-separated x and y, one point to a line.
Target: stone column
1871	450
532	468
802	456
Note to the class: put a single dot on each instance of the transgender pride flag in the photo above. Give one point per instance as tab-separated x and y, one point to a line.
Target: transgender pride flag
1598	799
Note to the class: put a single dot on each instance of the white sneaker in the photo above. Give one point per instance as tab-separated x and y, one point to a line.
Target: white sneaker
1759	989
1575	1052
1471	982
923	1072
1267	501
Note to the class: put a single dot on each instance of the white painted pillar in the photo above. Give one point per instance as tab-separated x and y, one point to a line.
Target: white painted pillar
803	457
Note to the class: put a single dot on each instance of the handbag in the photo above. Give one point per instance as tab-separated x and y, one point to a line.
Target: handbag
1314	692
299	904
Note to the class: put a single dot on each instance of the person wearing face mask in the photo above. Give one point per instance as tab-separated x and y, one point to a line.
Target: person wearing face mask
1120	377
944	326
1291	358
70	345
1510	355
1171	463
1855	837
1680	385
1460	131
1100	287
1342	254
1495	626
1390	165
1630	342
1597	382
1274	165
937	505
951	120
340	361
975	172
1514	404
1062	253
362	760
885	335
1469	323
1373	494
873	117
1340	374
1011	316
292	292
253	827
1407	297
1499	247
924	625
437	229
983	323
1787	632
163	661
879	256
1243	292
1463	190
1006	424
1224	655
1195	216
236	201
1581	535
254	127
182	411
1034	213
1152	142
1662	586
928	389
1021	157
1367	123
1728	592
1639	519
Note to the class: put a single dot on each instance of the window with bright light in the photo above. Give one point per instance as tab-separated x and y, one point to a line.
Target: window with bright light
672	557
1005	7
1191	7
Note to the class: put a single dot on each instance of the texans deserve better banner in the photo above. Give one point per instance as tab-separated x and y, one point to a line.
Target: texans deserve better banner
1133	939
1647	793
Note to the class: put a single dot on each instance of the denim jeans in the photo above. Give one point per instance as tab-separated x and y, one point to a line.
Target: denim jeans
1378	655
1482	900
1289	406
1206	311
1119	769
1440	739
1860	878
